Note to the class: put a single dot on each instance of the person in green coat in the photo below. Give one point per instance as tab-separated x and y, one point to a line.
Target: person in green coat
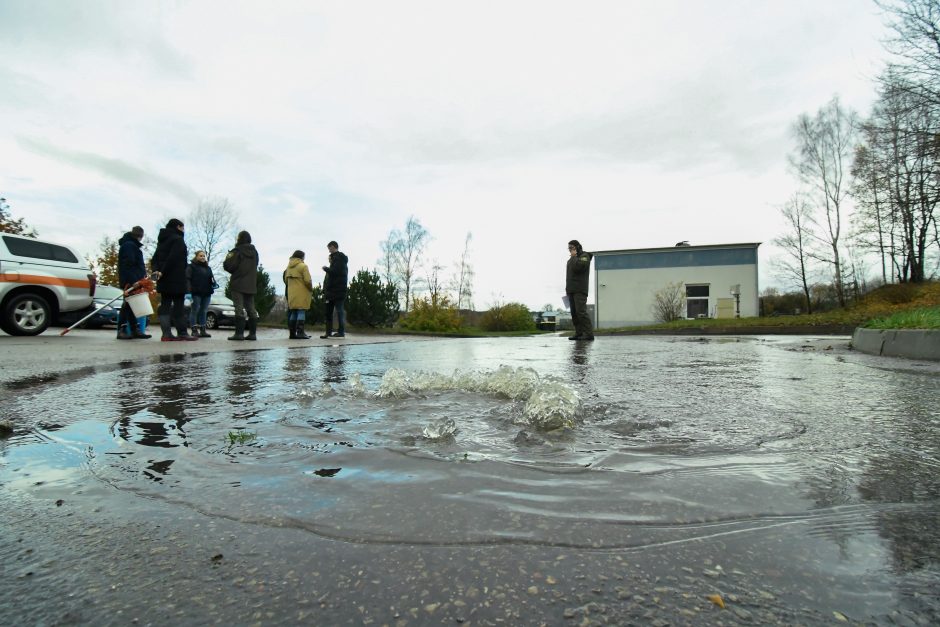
576	287
242	263
299	288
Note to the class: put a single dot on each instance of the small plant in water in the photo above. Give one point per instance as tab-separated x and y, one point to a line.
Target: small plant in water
240	437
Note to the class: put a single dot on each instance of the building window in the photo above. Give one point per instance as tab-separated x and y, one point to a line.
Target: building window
696	301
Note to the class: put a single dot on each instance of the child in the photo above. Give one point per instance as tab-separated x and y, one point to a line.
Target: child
201	283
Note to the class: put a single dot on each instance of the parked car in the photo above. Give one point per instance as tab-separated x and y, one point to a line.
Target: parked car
221	311
39	282
107	313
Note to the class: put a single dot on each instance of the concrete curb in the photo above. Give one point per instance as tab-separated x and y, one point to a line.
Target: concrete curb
907	343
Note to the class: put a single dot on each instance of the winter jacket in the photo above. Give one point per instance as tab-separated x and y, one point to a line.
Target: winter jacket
334	281
169	259
299	284
242	263
200	279
131	266
576	276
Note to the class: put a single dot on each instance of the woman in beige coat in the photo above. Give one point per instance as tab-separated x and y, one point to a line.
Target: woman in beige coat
299	289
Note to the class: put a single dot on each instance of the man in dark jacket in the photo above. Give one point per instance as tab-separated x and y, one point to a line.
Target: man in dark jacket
576	287
334	290
169	266
131	268
242	263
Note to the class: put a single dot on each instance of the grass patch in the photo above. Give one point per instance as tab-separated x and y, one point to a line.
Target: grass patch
925	318
240	437
893	304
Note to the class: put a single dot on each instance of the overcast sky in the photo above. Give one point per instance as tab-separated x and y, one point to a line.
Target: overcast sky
623	124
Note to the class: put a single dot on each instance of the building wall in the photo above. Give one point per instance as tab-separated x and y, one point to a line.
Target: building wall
625	283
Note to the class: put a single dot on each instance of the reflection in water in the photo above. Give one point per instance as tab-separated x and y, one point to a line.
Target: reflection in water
240	376
297	366
334	364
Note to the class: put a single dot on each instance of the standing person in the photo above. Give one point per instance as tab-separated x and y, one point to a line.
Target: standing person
334	290
201	284
299	288
169	266
576	286
242	263
131	268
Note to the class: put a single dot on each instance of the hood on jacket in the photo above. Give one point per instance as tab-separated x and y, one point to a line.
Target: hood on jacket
294	262
129	237
166	234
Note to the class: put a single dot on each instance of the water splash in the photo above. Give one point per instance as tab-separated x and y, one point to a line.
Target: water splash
552	405
440	429
549	404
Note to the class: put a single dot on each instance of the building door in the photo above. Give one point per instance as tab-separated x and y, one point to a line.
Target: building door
696	301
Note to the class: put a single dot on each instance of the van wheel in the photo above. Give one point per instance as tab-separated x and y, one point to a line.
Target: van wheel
211	321
26	314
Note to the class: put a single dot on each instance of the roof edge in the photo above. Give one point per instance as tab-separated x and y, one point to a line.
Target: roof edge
675	248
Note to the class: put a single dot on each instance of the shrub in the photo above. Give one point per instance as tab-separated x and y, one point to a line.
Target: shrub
668	303
371	303
432	313
508	317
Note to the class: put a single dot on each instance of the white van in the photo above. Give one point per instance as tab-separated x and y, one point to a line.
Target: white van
39	281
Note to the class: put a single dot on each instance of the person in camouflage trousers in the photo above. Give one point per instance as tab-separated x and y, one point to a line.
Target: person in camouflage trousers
576	287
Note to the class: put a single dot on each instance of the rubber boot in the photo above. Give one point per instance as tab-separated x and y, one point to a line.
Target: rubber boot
292	327
300	331
252	327
202	332
239	330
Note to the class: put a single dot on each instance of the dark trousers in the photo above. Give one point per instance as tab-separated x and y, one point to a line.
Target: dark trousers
338	306
172	310
126	317
579	315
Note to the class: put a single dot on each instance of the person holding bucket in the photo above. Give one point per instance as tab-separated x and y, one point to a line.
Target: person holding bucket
131	268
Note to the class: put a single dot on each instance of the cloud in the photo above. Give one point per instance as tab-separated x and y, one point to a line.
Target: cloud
115	169
120	28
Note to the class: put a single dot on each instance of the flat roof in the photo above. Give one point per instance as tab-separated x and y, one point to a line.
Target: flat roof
664	249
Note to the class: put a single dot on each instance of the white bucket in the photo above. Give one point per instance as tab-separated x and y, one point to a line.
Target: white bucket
140	304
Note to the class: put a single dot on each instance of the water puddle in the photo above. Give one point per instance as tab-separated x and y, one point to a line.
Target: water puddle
626	443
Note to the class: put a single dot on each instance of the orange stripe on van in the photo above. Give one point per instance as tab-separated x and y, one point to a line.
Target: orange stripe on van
34	279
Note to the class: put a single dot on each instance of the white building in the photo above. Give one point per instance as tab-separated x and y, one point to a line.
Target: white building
718	281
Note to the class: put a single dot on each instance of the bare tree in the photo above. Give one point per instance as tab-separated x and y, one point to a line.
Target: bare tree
210	226
390	252
873	218
898	168
668	303
411	244
462	282
825	144
433	281
796	244
915	44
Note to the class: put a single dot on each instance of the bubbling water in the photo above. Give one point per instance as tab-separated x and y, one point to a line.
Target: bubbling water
549	404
